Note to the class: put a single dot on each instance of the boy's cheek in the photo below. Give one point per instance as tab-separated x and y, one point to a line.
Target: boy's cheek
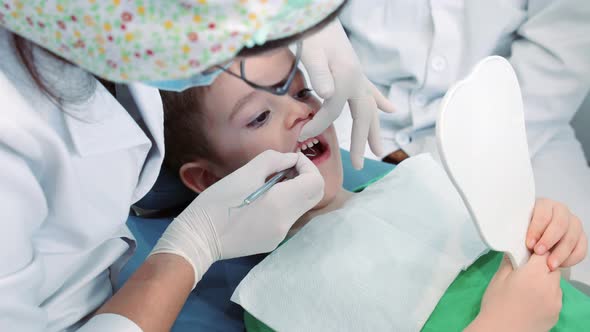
239	153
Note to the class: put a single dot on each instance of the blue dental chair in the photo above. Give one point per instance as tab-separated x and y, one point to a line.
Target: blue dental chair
209	308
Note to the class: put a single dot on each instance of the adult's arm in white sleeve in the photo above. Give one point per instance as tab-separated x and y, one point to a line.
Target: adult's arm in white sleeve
210	229
551	60
23	208
26	154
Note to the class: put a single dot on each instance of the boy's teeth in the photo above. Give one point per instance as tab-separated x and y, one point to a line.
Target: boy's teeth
308	144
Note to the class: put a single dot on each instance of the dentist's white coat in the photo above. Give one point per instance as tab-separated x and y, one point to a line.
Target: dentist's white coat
67	180
414	50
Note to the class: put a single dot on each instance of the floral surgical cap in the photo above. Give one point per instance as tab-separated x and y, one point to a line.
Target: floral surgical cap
152	40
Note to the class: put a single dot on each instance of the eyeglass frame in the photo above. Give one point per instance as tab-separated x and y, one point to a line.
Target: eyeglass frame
276	90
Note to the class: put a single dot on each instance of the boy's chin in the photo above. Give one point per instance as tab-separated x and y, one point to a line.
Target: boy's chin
326	200
322	204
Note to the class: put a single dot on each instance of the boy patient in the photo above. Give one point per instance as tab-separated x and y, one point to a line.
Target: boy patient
212	131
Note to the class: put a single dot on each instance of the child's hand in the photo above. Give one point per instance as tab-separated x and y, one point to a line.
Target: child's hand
528	299
554	228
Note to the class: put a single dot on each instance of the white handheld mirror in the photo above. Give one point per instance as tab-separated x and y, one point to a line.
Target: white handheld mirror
482	142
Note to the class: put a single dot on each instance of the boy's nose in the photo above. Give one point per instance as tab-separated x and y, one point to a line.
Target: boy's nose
298	116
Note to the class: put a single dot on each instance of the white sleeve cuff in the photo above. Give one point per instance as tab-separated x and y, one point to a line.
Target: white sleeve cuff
110	322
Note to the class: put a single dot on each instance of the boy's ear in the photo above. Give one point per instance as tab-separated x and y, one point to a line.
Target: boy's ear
197	175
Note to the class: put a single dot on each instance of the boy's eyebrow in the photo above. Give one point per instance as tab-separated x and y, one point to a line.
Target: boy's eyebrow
245	99
240	103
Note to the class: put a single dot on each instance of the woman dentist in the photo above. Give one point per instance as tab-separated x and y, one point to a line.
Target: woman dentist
73	160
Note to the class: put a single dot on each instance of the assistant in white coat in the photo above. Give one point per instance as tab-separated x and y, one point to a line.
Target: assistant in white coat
415	50
68	179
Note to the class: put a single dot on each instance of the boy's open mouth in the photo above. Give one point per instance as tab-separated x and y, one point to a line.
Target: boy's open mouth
315	148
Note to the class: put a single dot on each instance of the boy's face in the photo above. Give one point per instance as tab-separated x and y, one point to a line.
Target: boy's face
242	122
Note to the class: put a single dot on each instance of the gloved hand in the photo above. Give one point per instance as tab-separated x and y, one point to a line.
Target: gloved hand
211	228
336	76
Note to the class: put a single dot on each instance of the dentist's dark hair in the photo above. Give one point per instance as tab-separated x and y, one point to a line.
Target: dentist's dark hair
24	52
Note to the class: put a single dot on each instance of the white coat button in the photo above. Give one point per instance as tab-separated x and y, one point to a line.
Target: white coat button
420	100
438	63
402	138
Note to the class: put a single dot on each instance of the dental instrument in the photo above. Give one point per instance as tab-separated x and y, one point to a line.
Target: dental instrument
274	180
266	186
483	146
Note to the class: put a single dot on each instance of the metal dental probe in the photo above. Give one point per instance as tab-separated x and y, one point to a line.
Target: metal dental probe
270	183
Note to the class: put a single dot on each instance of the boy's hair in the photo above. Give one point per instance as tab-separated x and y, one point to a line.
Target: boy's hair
184	123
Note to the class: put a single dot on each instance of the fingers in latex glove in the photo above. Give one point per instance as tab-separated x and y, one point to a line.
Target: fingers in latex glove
304	192
308	185
363	129
262	225
317	65
554	228
213	228
265	164
337	77
527	299
330	110
382	103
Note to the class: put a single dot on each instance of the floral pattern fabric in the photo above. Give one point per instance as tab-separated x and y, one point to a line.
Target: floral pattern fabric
152	40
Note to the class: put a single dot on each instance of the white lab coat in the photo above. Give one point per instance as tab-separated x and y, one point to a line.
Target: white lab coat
67	180
414	50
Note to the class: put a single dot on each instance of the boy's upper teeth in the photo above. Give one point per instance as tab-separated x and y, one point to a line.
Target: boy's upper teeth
307	144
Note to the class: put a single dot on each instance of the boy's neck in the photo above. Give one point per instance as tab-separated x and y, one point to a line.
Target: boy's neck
341	197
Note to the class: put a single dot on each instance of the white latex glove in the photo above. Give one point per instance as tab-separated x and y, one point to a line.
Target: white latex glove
210	228
337	77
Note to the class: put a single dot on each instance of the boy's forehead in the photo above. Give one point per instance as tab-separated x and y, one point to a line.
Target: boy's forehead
222	97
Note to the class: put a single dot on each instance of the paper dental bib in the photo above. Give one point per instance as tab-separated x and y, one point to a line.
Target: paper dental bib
380	263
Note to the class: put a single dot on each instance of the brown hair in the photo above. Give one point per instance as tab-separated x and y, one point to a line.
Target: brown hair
184	123
24	52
